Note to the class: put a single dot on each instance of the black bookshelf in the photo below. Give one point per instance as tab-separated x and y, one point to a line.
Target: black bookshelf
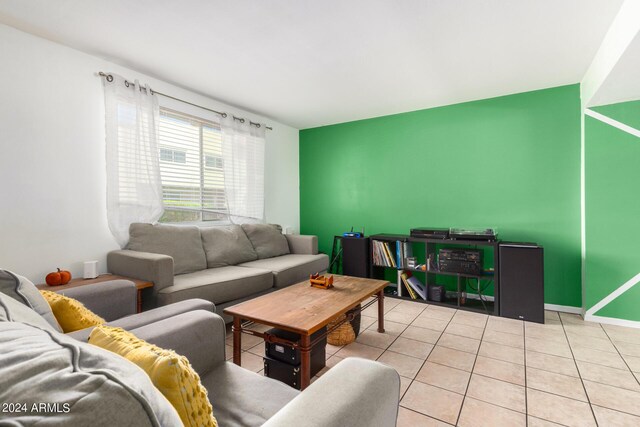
481	305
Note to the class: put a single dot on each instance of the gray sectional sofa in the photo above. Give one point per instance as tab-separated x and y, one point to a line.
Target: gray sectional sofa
40	364
224	265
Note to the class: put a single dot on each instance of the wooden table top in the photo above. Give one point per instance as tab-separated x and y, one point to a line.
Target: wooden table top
303	309
74	283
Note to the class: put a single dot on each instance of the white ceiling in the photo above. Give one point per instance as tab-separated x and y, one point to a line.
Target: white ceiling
311	63
623	82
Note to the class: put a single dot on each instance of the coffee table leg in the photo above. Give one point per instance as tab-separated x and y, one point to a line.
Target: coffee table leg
237	344
380	311
305	362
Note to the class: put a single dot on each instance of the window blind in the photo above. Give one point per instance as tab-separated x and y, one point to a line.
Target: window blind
191	168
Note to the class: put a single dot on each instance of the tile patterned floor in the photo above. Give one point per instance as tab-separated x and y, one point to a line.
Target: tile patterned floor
468	369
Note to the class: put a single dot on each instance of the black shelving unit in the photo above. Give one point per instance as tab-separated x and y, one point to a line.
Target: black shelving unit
430	247
379	271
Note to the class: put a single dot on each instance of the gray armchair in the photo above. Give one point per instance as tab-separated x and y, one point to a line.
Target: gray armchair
356	392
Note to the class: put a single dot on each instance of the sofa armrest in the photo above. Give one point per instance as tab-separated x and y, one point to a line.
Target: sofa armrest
198	335
301	244
156	268
355	393
145	318
111	300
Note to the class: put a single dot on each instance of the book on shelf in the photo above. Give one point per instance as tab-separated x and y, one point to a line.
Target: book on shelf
382	254
391	259
404	277
374	252
407	252
377	258
418	287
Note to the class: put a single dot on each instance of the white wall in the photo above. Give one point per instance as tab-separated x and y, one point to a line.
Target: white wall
52	156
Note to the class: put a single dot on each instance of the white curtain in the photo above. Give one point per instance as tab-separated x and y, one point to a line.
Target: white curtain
243	146
134	189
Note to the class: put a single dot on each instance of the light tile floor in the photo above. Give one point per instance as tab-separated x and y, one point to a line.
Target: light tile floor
468	369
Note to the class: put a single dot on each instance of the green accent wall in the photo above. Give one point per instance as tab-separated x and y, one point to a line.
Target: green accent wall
612	210
511	162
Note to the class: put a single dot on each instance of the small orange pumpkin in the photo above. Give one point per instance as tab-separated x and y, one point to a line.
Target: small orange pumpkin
60	277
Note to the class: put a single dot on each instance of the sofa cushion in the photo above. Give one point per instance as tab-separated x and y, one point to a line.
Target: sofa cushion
226	246
181	242
169	372
22	290
241	398
217	285
292	268
70	313
99	388
267	240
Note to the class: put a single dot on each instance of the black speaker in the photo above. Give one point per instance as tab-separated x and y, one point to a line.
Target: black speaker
436	293
355	256
521	294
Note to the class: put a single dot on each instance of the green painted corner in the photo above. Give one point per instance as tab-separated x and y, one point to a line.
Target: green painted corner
612	210
511	162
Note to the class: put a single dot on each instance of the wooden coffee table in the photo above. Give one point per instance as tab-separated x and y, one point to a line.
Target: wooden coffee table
303	310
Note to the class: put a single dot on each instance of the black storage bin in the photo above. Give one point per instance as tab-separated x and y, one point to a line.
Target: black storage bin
281	371
282	362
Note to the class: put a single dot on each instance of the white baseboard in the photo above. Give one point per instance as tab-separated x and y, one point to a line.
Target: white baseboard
612	321
563	308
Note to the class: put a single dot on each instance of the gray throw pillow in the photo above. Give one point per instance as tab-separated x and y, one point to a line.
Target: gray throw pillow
227	246
89	385
267	240
22	290
181	242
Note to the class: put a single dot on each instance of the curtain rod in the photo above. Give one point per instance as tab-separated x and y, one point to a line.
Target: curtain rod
109	78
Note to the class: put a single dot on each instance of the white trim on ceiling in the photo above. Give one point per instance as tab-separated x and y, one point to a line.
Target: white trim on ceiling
616	124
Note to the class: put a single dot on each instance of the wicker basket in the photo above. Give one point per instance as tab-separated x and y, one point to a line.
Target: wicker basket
342	335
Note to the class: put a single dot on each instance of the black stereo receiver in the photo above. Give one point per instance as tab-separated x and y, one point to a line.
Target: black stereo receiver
430	233
465	261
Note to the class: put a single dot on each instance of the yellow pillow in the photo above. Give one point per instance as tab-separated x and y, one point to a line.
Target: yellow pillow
171	373
70	313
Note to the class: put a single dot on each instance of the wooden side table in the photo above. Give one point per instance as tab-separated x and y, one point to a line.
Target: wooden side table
74	283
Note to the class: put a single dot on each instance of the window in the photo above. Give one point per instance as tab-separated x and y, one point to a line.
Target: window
191	168
215	162
175	156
